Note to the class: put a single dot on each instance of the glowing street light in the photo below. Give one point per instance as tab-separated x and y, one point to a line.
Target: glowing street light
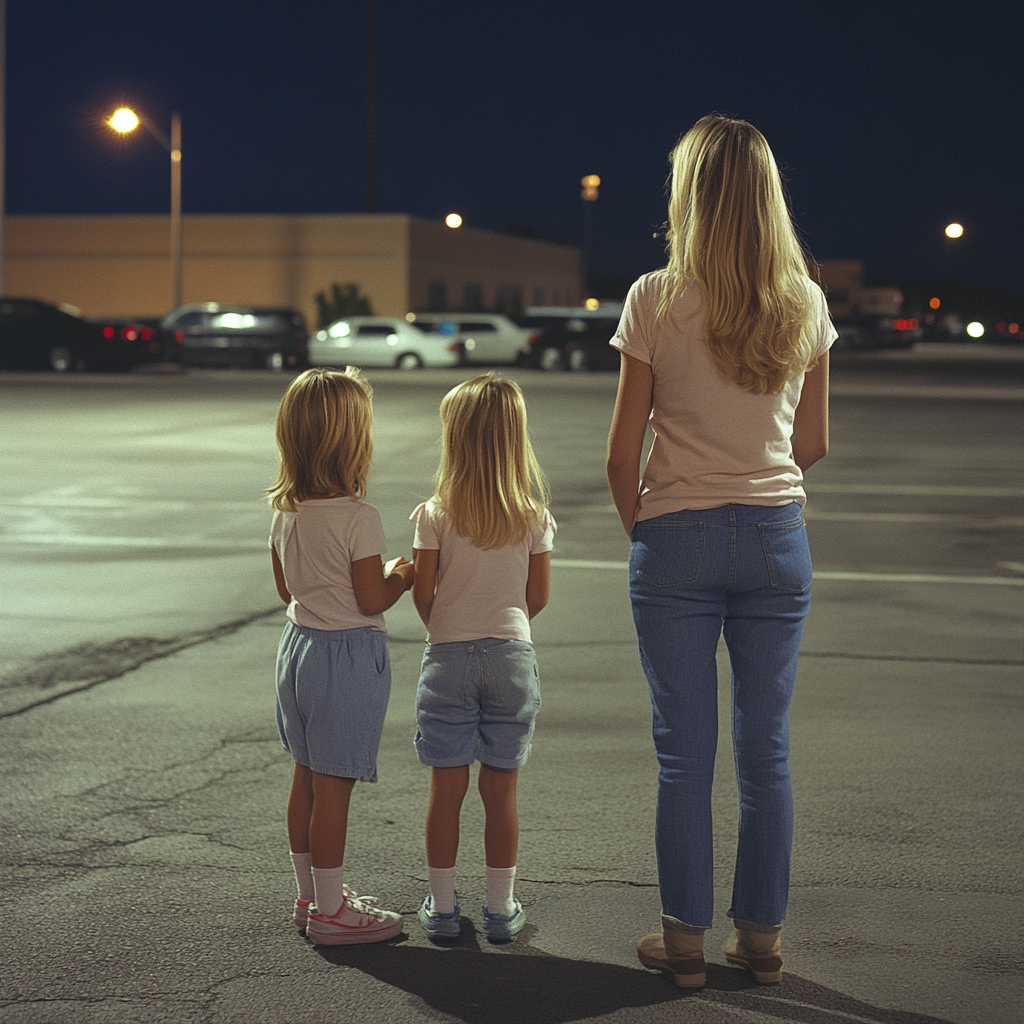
975	330
453	220
125	120
954	230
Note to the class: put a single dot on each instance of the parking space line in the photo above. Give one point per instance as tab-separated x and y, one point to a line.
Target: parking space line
856	577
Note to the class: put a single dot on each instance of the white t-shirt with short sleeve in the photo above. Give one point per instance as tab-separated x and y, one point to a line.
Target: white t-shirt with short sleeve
715	443
479	592
317	546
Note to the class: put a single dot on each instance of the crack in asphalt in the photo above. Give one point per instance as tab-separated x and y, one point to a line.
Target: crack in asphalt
93	664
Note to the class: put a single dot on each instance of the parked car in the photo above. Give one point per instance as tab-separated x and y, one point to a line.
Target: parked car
221	334
572	338
873	332
382	341
483	337
37	335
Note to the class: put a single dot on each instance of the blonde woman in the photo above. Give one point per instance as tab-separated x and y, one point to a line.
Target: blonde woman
725	353
482	561
333	673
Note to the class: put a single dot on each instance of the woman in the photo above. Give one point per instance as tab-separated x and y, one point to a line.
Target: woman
725	351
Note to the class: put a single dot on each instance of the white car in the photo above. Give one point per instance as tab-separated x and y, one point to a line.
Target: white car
484	337
381	341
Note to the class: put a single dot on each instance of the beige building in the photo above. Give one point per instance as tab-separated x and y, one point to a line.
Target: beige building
121	266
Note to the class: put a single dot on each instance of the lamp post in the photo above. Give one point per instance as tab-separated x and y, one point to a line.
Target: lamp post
125	120
588	193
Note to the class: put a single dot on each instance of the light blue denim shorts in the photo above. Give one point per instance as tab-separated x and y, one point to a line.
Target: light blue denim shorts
332	694
477	701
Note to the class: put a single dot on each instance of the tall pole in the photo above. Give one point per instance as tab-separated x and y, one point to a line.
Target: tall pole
176	249
3	133
371	106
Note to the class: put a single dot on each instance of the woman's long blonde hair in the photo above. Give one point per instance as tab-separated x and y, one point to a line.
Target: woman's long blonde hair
324	435
730	231
489	484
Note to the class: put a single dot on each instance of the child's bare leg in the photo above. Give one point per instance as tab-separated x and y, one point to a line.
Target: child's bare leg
501	824
448	788
300	809
328	822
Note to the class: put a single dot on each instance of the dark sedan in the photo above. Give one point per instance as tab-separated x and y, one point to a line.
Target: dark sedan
36	335
571	338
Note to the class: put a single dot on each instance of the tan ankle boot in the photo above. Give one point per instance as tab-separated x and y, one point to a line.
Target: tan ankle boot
759	952
679	953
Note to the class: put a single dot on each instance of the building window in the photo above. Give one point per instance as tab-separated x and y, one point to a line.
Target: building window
509	299
437	297
472	297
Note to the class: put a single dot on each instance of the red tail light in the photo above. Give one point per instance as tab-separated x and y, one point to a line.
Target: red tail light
129	334
179	336
906	325
146	334
455	346
108	332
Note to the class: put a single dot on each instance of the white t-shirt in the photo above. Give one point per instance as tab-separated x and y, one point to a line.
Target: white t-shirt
317	546
715	443
479	592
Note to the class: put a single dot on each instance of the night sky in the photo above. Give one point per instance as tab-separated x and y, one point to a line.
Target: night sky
889	120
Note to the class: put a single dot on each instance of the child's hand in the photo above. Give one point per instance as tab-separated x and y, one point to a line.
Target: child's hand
401	567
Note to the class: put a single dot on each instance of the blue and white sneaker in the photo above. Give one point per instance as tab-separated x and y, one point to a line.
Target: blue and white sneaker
499	928
439	926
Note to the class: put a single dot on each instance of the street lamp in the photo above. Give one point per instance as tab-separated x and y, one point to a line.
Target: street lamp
588	193
125	120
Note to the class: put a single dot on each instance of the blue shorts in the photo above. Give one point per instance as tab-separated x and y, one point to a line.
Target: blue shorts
332	694
477	701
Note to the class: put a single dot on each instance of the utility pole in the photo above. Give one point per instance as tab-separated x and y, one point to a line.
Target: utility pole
3	133
371	106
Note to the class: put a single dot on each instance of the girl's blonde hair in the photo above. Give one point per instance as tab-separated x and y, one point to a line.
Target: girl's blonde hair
324	435
489	484
730	231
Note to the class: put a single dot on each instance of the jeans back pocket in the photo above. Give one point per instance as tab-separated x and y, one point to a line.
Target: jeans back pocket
666	555
786	554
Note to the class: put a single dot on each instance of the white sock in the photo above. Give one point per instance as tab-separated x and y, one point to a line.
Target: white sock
442	889
301	862
330	893
499	890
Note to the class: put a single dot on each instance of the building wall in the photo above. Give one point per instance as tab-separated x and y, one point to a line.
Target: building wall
120	265
508	271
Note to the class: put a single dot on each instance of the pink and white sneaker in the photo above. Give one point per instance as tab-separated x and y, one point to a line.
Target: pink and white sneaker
357	920
301	915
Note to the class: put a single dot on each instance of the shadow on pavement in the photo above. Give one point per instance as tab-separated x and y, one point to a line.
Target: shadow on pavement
532	987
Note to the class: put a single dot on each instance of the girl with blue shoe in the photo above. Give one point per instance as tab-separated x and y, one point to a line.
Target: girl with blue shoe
482	558
725	354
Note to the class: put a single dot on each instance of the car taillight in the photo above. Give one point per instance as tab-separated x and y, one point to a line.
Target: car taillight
455	346
108	332
146	334
906	325
129	334
533	338
179	335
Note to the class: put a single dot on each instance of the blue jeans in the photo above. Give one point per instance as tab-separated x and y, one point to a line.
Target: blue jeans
745	571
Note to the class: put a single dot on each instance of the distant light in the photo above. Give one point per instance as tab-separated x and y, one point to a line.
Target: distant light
1013	328
954	230
453	220
590	183
975	330
123	120
934	303
410	317
592	304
